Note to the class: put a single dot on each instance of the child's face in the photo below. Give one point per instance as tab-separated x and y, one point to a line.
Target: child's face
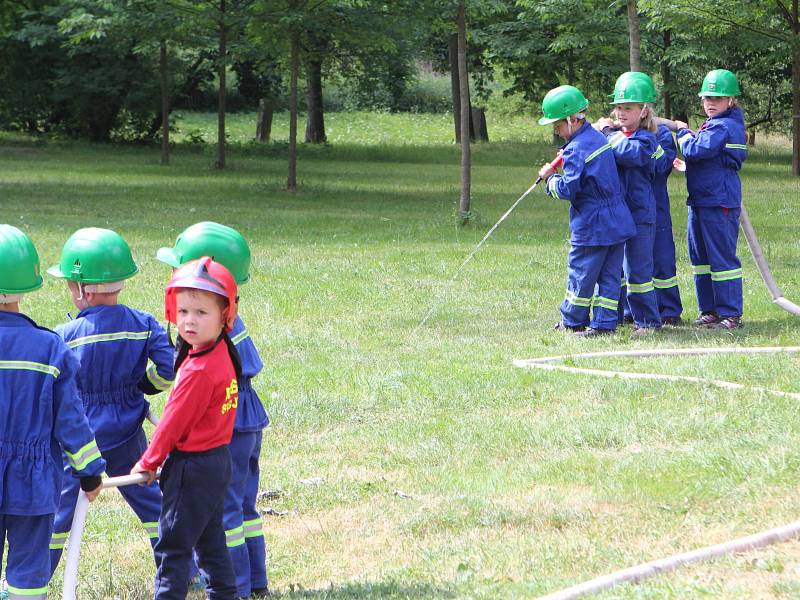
200	317
715	105
78	299
629	115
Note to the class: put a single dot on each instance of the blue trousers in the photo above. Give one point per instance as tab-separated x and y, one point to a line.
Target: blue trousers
243	529
27	569
593	275
665	277
193	486
144	500
713	234
637	283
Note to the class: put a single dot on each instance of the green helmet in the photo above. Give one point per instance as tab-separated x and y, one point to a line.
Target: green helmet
561	102
224	244
93	255
633	86
720	82
19	262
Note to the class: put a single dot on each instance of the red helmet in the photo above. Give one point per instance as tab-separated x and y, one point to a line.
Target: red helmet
202	274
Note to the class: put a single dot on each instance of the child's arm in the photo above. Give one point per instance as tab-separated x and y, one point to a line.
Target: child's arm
567	185
706	143
160	373
72	431
186	404
630	151
669	152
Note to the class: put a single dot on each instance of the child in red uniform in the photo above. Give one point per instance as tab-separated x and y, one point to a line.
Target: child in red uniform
194	432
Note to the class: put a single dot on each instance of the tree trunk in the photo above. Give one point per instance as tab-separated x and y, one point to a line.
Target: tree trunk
478	129
223	49
291	180
163	68
463	77
264	121
633	29
452	46
796	90
315	118
666	75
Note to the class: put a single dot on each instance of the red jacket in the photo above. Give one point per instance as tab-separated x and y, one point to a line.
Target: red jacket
201	407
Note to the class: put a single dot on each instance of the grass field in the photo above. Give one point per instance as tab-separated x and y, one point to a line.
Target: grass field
419	463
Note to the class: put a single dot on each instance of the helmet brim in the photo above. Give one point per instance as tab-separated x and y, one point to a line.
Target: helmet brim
715	95
167	256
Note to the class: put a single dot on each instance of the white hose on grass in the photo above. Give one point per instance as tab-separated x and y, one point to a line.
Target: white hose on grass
663	565
76	531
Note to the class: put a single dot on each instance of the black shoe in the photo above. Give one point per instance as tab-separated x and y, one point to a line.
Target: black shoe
727	323
673	321
592	332
705	319
627	319
560	326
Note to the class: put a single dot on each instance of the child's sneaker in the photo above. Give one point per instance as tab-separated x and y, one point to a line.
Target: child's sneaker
260	593
561	326
643	331
672	321
727	323
705	319
198	583
592	332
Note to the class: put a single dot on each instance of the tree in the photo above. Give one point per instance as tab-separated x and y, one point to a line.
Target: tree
633	32
466	156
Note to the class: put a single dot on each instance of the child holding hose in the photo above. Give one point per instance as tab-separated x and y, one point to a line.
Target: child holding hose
40	416
635	149
714	154
599	221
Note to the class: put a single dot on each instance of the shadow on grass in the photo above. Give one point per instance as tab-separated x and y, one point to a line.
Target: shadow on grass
380	589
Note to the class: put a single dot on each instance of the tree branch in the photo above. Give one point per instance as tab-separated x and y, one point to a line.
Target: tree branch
718	16
785	11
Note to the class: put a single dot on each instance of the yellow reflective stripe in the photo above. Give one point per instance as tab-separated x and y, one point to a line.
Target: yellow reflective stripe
27	592
242	335
26	365
640	288
615	139
84	456
577	300
726	275
658	153
551	188
701	269
662	284
157	380
597	153
58	540
737	146
151	527
252	528
108	337
234	537
605	303
624	282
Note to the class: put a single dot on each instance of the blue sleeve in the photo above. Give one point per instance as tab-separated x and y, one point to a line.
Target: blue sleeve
668	153
632	151
706	143
567	186
160	371
70	426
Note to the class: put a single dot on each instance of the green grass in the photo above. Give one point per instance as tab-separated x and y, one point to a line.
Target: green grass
446	472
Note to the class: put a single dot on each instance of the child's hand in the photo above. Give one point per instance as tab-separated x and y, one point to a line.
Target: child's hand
681	124
546	171
91	495
151	475
678	165
601	124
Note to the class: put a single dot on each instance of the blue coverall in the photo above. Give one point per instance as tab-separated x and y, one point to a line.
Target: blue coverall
40	415
599	222
243	529
636	155
713	157
114	344
665	277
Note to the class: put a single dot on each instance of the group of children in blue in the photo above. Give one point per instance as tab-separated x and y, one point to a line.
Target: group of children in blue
82	403
621	266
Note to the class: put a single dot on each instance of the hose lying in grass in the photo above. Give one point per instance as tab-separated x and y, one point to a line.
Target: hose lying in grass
635	574
76	532
663	565
763	267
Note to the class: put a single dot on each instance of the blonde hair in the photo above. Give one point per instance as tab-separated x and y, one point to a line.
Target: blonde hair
648	121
